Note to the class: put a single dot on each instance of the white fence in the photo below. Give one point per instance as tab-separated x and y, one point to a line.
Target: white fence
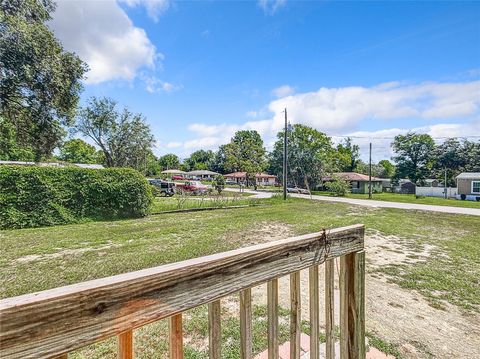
436	192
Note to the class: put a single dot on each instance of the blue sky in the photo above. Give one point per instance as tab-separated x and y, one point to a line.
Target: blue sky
201	70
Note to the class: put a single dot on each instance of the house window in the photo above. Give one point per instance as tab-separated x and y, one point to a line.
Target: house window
475	186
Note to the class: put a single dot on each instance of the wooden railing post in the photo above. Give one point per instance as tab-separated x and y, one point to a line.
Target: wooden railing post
125	345
215	330
295	315
272	308
246	324
314	312
176	337
329	309
352	306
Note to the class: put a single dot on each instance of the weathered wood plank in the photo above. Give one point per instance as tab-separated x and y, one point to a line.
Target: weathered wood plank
176	337
125	345
352	306
329	309
60	320
314	304
272	309
246	324
295	315
214	330
61	356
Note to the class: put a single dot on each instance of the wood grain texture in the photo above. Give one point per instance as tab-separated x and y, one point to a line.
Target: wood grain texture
272	309
295	315
352	306
246	324
176	337
314	304
125	345
214	330
329	309
60	320
61	356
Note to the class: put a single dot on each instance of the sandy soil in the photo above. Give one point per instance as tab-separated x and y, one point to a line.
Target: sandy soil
397	315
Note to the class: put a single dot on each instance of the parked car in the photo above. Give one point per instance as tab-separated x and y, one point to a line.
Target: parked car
231	183
166	189
297	190
194	187
178	178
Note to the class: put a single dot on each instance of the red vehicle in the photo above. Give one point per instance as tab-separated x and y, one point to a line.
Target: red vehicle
178	178
194	187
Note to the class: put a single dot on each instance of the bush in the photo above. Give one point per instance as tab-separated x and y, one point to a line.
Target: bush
44	196
338	186
219	183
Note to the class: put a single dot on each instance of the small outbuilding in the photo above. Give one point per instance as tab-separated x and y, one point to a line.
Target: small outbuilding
468	186
262	179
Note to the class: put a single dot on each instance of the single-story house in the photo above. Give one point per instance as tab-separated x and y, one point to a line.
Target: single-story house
468	185
203	174
405	186
263	179
359	182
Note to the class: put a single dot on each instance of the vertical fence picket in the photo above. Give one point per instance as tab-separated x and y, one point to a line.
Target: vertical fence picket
329	309
295	315
176	337
272	305
314	312
352	306
246	324
125	345
214	329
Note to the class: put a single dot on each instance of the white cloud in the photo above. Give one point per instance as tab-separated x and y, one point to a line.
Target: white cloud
283	91
270	7
102	34
154	8
154	84
340	111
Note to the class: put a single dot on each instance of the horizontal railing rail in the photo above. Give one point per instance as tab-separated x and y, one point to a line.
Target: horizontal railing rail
57	321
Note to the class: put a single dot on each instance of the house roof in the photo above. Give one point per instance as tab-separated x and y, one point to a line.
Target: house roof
202	173
353	176
469	175
174	172
243	174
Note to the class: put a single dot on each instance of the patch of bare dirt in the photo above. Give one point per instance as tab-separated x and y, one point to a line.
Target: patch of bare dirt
264	232
64	252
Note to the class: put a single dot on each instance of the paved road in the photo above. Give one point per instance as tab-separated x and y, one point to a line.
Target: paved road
381	204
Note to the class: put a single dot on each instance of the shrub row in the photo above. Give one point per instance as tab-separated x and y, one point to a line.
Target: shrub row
44	196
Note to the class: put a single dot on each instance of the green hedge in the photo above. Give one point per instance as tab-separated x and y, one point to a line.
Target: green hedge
45	196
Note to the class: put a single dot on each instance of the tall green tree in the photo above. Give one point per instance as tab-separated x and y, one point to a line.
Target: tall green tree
310	156
219	159
200	160
347	156
414	156
169	161
78	151
387	169
39	81
245	153
124	138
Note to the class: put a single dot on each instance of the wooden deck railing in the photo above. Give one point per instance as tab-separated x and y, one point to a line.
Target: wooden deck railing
52	323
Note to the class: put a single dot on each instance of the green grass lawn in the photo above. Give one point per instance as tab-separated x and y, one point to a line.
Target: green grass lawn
408	198
43	258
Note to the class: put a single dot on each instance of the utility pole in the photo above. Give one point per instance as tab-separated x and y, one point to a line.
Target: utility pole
445	183
285	151
370	173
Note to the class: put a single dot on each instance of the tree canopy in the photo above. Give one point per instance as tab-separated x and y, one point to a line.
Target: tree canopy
200	160
124	138
310	156
39	80
169	161
78	151
414	156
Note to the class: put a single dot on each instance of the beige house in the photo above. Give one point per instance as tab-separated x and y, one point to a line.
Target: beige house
262	179
468	186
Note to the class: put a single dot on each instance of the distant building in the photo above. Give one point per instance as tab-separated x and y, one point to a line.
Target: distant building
51	164
405	186
432	182
468	185
263	179
203	174
359	182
